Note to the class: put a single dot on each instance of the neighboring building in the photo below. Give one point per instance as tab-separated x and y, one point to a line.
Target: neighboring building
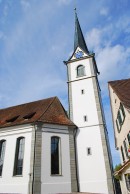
42	151
86	111
120	105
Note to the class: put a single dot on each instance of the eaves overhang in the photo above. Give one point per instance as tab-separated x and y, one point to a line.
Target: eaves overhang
124	166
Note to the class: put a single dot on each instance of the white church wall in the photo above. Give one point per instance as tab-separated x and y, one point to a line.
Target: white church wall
8	182
55	183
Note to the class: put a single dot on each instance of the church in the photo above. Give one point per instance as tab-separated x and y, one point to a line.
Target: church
45	151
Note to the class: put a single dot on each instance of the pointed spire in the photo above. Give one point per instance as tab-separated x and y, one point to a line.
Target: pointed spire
79	38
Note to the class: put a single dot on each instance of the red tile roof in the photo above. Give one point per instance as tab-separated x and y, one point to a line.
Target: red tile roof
47	110
122	89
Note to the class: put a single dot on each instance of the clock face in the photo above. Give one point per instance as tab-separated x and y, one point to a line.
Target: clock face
79	54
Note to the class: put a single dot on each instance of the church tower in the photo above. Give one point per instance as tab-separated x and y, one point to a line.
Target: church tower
94	167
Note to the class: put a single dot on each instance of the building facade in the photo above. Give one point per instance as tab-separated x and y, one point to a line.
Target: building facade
120	105
86	111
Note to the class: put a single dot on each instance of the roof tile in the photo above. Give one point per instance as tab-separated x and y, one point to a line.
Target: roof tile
47	110
122	89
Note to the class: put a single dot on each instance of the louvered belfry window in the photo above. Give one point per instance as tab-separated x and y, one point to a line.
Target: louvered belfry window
80	71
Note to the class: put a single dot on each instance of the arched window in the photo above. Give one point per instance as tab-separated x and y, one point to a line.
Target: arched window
2	153
19	154
80	71
55	155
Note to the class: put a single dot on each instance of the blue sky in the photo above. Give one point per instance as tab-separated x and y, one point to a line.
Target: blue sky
36	36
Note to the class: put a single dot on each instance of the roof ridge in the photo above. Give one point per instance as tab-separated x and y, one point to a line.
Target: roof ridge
47	108
26	103
119	80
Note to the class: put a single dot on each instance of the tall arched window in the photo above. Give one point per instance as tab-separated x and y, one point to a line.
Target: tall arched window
19	154
80	71
2	153
55	155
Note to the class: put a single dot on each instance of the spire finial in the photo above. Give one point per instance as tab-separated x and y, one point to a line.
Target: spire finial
75	6
79	38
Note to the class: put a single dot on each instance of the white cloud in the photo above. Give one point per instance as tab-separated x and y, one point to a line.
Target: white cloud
64	2
112	60
25	4
104	11
94	39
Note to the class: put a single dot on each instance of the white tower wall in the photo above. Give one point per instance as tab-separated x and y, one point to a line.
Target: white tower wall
94	171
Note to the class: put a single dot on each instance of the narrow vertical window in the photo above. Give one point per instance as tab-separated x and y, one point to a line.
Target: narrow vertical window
128	137
122	153
126	149
117	125
122	110
82	91
80	71
119	118
89	151
55	155
85	118
2	153
127	179
19	154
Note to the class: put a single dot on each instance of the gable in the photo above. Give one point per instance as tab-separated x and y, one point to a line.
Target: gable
78	53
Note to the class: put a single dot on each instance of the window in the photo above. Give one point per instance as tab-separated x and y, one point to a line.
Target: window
89	151
19	154
12	119
120	117
127	179
55	155
122	153
85	118
117	125
82	91
2	153
122	110
29	116
126	149
128	137
80	71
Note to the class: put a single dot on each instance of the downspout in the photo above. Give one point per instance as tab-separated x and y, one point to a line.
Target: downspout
75	133
32	192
